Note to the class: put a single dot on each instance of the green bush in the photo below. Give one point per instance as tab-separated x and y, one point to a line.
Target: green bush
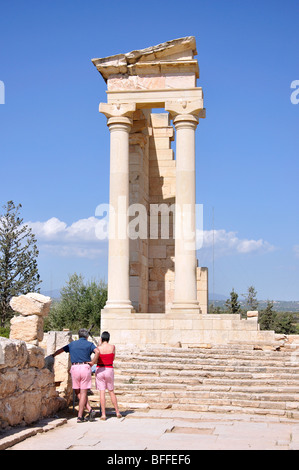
79	307
4	331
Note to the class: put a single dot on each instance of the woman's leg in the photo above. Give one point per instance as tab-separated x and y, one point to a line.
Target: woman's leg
114	402
103	403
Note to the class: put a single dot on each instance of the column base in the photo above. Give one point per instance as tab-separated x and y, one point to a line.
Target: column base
119	306
185	307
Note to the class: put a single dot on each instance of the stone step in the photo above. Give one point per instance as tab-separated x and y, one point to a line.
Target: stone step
194	359
269	381
292	390
196	394
197	352
220	379
212	368
235	405
214	385
203	375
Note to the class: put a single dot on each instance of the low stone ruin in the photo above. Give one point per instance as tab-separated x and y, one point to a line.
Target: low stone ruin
27	387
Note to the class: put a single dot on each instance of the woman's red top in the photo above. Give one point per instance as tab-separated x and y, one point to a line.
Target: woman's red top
105	360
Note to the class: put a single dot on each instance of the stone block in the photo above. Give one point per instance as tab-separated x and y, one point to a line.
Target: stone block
252	314
31	304
187	80
36	356
159	143
160	152
14	353
157	251
159	119
43	379
8	382
32	406
163	132
157	274
29	328
26	379
12	409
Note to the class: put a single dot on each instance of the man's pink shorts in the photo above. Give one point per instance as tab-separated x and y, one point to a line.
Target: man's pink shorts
81	376
105	378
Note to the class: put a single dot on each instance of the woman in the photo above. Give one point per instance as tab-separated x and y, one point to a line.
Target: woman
104	357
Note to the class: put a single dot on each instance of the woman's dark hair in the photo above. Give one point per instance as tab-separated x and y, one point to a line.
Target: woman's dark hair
105	336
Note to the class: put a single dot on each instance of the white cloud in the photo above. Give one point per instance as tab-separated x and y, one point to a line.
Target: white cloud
85	238
80	239
49	230
226	243
296	250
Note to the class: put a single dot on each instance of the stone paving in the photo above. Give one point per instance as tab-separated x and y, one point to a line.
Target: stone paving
158	430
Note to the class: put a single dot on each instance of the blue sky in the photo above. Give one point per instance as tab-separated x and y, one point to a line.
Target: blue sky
54	144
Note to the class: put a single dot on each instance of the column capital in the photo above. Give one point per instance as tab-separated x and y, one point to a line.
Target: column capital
188	121
119	123
117	110
186	108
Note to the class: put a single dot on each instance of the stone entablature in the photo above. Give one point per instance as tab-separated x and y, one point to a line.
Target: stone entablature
156	67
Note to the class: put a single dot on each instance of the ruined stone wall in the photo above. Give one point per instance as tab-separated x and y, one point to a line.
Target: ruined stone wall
27	382
27	387
161	191
139	188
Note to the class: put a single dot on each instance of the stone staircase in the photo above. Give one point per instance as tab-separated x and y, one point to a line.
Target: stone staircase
222	379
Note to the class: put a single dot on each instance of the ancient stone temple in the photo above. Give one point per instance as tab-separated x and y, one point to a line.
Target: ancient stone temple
157	294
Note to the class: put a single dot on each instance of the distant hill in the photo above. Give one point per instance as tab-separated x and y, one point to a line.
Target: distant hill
278	305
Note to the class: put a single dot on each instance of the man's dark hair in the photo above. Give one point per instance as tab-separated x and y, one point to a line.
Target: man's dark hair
83	333
105	336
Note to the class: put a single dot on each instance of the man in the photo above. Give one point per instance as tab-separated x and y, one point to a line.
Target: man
80	352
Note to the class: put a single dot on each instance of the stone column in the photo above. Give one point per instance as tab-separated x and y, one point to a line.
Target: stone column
185	119
119	123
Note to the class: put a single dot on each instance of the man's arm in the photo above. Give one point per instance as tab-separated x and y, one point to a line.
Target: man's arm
95	357
59	351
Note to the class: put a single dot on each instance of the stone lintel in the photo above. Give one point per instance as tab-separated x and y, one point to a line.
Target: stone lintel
171	53
156	98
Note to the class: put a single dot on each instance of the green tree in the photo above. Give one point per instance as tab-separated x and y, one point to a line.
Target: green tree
80	305
232	305
284	324
251	299
267	317
18	259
